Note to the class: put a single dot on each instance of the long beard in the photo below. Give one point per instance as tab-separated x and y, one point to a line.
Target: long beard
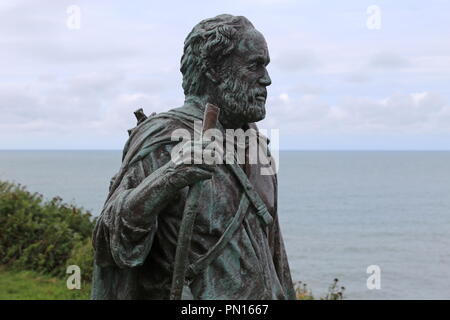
238	103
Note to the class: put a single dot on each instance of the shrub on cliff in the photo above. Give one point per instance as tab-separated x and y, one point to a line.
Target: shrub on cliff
42	235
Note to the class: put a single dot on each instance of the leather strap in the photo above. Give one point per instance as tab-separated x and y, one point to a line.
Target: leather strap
255	199
206	259
250	195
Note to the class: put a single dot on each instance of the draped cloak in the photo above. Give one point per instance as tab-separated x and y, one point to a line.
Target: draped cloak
134	258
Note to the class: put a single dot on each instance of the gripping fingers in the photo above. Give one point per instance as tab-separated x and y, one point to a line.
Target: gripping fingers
189	175
197	152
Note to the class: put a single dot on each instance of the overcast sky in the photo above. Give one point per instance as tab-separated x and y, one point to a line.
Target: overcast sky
336	83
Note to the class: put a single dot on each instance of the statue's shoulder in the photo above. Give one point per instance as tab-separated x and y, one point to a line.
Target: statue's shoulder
149	122
181	116
157	128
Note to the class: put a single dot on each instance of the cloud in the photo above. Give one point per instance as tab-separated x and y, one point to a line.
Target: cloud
388	60
434	65
269	2
18	103
423	112
284	97
35	36
309	89
103	103
357	77
292	61
85	84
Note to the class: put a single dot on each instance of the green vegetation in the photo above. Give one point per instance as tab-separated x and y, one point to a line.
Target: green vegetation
43	237
28	285
335	292
40	239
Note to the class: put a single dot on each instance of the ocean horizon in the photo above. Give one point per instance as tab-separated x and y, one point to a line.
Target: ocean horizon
340	211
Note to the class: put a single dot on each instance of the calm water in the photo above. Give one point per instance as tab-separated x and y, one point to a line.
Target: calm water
339	211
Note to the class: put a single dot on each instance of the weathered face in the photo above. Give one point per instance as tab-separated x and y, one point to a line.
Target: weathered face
243	90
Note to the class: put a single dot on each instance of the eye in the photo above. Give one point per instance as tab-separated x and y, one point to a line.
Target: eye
254	66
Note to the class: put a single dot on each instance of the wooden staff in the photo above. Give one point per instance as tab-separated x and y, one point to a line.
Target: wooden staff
210	118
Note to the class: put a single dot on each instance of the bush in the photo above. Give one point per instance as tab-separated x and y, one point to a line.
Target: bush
82	255
335	292
302	292
40	235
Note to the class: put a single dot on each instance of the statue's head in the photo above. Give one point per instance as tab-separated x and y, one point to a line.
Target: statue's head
224	62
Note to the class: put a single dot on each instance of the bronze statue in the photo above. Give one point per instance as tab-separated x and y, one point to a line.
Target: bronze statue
209	229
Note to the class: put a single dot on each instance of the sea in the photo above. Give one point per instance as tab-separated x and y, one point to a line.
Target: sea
378	221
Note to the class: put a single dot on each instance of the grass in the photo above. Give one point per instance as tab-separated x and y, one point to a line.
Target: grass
28	285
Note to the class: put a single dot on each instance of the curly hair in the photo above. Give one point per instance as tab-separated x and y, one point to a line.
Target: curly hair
209	42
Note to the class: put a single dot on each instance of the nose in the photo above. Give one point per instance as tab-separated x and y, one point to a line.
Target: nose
265	80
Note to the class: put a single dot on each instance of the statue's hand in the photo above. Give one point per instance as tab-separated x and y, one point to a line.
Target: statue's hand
178	173
184	172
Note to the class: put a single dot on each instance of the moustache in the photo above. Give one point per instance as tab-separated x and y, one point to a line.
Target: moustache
258	94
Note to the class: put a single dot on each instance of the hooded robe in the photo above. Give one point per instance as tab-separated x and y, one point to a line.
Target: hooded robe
134	255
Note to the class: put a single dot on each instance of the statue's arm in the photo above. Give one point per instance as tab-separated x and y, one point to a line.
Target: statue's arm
150	196
124	232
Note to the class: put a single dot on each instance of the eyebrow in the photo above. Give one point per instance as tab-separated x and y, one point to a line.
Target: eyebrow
259	58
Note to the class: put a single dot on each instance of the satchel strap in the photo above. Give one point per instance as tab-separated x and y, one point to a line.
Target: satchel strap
212	254
255	199
249	196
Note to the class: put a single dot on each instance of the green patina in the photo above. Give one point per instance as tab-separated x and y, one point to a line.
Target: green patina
236	230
